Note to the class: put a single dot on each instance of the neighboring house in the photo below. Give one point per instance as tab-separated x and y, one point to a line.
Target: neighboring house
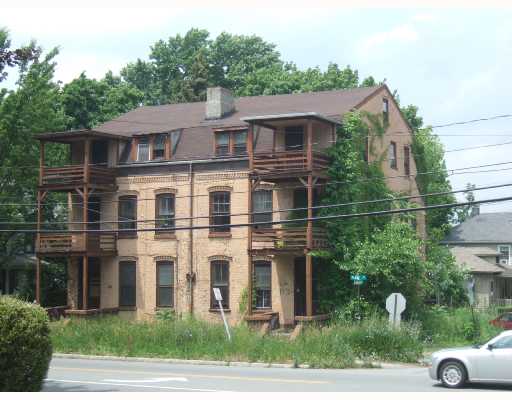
482	244
208	163
14	271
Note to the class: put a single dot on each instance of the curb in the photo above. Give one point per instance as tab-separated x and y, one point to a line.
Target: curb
358	363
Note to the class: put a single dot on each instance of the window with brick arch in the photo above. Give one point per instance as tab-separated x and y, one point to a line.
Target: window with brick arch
165	284
219	279
164	212
220	210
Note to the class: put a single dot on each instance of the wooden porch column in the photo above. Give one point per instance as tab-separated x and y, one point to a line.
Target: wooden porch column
85	220
309	229
249	250
39	220
250	151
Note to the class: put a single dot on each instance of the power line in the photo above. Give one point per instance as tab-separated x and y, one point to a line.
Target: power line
281	188
278	211
288	221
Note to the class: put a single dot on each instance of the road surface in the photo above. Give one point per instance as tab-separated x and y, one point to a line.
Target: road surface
106	376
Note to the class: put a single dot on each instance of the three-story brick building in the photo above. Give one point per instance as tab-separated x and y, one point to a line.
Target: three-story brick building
163	195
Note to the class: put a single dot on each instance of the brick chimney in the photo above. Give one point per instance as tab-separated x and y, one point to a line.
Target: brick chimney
219	102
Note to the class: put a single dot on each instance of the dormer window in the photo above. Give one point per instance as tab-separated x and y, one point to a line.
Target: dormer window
229	143
159	147
143	149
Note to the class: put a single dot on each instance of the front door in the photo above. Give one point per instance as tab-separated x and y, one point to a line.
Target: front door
300	286
93	283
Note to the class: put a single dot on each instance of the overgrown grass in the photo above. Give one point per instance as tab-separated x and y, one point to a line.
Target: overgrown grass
335	346
443	326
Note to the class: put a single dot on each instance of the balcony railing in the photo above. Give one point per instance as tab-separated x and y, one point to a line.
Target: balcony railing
66	243
74	175
288	161
287	239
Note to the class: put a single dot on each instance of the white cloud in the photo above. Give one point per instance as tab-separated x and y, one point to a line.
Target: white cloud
400	34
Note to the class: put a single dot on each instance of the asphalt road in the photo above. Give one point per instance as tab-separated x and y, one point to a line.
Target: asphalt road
77	375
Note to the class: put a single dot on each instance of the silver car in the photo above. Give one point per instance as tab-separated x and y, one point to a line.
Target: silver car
490	362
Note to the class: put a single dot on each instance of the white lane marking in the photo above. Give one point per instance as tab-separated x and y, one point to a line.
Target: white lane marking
152	380
128	385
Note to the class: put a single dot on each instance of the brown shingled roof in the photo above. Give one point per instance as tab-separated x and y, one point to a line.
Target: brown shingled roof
154	119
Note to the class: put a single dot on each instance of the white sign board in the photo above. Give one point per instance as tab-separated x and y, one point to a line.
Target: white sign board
217	294
395	304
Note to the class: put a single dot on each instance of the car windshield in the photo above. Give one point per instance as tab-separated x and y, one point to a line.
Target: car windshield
480	344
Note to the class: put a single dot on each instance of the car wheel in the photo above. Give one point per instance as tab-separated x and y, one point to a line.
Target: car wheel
453	374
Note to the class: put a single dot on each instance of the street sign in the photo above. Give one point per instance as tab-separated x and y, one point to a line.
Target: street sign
218	296
358	278
395	304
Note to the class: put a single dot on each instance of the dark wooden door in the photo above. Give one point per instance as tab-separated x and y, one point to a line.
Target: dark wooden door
300	286
93	283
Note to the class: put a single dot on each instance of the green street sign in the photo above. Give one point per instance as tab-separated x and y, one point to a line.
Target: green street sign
358	278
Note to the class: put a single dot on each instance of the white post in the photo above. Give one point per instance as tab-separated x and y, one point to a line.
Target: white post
218	297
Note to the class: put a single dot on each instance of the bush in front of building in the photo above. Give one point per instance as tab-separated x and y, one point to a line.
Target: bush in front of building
25	345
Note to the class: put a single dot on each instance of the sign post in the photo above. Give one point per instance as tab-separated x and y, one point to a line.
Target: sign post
395	304
358	280
218	297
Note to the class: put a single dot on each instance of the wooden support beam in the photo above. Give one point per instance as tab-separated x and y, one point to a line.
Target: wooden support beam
41	163
250	146
38	280
249	249
38	240
85	281
309	145
309	245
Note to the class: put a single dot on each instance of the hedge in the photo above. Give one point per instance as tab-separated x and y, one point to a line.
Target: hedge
25	345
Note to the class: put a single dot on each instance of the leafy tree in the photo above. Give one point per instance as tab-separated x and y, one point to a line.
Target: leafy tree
12	58
34	106
393	262
464	212
356	181
89	102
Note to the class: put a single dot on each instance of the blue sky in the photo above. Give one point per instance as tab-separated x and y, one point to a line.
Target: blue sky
453	63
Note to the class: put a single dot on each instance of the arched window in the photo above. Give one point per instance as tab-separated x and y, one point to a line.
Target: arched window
219	278
164	212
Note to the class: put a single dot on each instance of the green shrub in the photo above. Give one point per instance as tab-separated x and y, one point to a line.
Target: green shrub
25	346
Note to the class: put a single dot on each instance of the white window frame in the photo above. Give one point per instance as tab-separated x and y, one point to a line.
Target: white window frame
509	249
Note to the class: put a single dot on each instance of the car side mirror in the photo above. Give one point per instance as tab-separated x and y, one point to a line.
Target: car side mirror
490	347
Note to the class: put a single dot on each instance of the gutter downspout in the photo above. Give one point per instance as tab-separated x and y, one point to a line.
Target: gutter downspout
191	276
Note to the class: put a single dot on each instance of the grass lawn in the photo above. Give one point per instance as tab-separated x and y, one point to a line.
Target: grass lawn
335	346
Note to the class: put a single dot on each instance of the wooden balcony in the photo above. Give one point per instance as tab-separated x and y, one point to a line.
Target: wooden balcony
288	163
64	244
286	240
72	176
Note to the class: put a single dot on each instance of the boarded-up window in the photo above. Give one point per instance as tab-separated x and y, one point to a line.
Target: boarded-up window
407	160
392	155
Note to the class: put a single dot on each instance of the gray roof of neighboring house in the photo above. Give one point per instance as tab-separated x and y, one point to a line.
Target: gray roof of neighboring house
469	257
483	228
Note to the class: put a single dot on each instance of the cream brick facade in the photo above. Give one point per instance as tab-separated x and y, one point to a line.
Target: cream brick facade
147	248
